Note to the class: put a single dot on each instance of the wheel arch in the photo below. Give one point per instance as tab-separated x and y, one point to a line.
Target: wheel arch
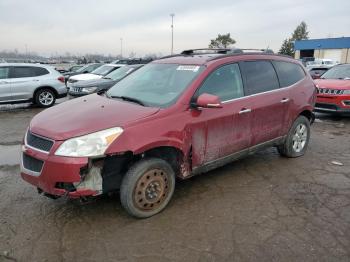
44	87
308	114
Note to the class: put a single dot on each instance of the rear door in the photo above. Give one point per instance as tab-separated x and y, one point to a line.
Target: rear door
218	132
269	103
24	80
5	86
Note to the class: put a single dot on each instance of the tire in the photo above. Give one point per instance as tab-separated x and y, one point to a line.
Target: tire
147	187
297	139
44	97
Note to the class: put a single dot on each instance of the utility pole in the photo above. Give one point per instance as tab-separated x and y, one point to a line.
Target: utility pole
121	47
172	33
26	51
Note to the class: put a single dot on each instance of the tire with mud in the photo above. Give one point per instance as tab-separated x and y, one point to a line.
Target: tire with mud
147	187
297	138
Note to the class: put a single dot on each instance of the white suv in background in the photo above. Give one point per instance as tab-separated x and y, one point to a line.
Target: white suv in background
35	83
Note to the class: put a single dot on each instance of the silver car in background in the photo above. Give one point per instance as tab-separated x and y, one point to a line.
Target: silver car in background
36	83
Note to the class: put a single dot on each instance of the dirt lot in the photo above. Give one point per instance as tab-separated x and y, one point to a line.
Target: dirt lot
262	208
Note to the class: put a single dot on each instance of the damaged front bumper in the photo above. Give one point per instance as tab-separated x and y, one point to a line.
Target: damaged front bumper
57	176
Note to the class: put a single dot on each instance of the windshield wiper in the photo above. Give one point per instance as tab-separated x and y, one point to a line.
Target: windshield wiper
106	77
130	99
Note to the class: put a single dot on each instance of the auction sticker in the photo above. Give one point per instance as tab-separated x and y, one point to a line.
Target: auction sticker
188	68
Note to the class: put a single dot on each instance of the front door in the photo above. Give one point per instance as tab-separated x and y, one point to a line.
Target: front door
219	132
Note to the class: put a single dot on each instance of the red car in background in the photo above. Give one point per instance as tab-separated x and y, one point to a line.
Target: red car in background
333	90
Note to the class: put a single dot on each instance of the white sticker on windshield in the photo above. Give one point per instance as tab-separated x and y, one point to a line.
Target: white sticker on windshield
188	68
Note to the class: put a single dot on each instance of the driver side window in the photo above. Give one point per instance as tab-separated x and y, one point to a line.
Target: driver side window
225	82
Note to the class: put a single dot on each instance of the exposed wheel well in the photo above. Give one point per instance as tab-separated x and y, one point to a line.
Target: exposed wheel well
172	155
308	114
44	87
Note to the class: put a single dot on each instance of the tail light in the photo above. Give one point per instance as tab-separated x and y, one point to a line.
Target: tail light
61	79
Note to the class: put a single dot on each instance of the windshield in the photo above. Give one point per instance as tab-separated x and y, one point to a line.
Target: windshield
83	68
337	72
157	85
88	68
104	70
120	73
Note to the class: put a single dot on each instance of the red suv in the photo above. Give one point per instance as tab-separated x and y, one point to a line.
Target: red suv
178	116
333	90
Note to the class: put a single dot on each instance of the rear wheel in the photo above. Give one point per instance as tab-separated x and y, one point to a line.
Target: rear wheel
297	139
45	97
147	187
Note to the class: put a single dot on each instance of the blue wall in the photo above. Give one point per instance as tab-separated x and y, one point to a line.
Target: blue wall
325	43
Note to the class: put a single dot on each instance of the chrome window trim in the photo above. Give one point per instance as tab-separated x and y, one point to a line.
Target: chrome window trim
262	93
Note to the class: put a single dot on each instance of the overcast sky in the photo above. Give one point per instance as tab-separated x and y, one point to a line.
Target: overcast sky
96	26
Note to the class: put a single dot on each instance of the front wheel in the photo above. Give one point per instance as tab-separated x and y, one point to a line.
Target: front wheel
45	97
297	139
147	187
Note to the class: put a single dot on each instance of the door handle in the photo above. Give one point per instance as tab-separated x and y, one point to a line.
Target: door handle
284	100
245	110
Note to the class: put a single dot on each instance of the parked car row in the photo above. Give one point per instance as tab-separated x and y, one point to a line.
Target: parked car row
103	84
98	73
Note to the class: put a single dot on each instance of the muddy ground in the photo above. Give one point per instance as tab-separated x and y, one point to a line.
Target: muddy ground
262	208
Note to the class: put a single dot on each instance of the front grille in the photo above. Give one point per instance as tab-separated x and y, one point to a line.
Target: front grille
326	106
39	142
328	91
75	89
32	164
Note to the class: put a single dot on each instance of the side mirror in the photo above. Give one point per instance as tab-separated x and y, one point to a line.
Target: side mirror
208	101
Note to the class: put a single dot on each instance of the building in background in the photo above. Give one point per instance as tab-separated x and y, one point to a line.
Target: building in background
336	49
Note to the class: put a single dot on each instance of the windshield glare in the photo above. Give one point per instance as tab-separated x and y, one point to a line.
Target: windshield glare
120	73
103	70
337	72
157	85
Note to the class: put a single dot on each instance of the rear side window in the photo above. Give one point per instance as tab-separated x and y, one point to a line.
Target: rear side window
225	82
288	73
260	76
28	71
4	72
40	71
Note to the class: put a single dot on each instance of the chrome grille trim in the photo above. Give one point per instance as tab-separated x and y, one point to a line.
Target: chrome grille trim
329	91
34	146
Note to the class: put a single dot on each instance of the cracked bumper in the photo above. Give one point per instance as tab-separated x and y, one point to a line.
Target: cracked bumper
53	171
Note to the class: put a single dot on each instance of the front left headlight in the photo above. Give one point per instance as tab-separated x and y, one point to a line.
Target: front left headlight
91	145
89	89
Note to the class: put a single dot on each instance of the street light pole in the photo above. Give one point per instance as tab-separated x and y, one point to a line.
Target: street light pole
121	47
172	33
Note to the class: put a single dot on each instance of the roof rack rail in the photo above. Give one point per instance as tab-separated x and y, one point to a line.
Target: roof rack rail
267	50
206	51
222	51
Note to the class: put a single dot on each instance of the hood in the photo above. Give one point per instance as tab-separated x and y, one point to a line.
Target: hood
85	77
333	83
95	82
86	115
